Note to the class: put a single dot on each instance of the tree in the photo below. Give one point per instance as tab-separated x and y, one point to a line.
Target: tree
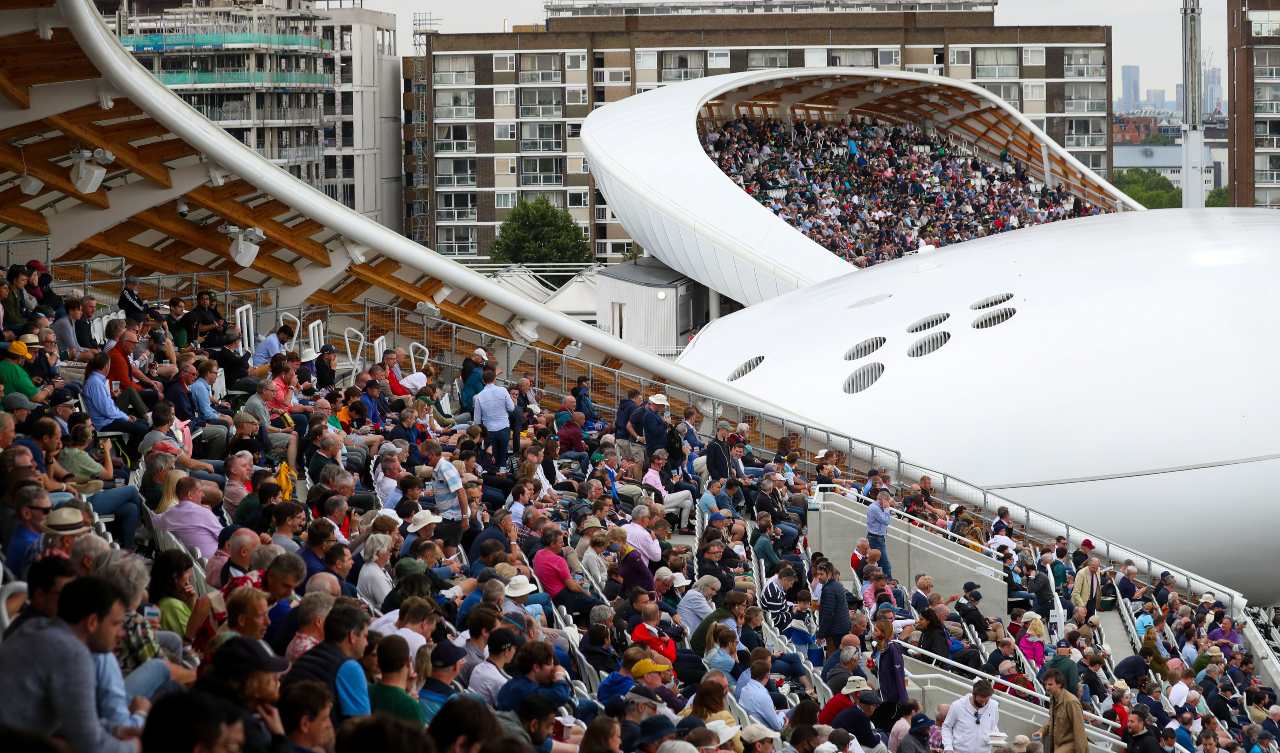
1217	198
1148	188
537	232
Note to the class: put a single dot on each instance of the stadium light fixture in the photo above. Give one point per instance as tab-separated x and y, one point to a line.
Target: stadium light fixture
86	175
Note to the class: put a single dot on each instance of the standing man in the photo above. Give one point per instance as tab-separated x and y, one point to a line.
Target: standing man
1088	587
970	721
451	505
651	424
1065	731
879	515
492	409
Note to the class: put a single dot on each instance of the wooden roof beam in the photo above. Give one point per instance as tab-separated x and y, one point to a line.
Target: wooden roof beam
243	216
54	177
126	155
165	220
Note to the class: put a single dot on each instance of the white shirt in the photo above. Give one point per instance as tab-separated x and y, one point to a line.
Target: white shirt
373	585
1178	693
962	734
487	680
413	638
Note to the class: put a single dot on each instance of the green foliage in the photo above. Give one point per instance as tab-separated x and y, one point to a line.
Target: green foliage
537	232
1158	139
1148	188
1217	198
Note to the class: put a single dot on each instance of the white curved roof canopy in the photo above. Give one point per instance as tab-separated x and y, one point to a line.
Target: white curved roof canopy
1111	371
647	158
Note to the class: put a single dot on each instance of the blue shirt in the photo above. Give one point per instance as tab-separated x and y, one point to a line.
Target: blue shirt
97	400
520	686
878	520
21	544
203	397
371	407
352	689
756	701
269	347
447	483
492	408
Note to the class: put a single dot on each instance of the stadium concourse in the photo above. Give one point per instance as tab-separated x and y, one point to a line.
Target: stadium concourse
870	192
523	572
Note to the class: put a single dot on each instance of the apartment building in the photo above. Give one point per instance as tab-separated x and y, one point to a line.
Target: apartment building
1253	78
314	87
493	118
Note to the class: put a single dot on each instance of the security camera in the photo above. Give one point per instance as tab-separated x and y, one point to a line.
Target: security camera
104	156
426	308
183	208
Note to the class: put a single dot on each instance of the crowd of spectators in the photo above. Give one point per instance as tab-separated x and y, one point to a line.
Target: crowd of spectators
342	562
870	192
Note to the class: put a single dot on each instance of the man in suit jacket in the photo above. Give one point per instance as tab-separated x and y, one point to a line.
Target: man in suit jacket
1088	586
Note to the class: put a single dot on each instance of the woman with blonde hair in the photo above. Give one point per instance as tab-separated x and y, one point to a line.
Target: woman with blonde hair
169	497
709	705
1033	641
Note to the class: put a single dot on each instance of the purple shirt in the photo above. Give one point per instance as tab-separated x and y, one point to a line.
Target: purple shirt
194	525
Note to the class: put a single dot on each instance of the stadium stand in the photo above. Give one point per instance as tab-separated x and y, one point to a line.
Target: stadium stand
870	191
358	555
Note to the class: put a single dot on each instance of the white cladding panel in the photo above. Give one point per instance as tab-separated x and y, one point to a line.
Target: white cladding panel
648	322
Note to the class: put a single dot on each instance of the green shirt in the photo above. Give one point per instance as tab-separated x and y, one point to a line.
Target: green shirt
79	464
15	379
396	702
247	509
174	615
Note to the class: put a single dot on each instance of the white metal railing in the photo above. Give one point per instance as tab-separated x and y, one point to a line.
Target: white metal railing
1260	650
995	71
456	179
931	69
541	145
454	147
456	215
445	112
541	111
541	179
451	78
414	347
1076	140
611	76
354	357
245	323
682	74
1266	106
295	323
1266	28
379	347
458	248
984	555
1266	142
1085	71
1086	105
315	334
540	77
1266	71
1266	176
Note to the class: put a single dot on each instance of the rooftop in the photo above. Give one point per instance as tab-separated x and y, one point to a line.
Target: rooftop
556	8
646	271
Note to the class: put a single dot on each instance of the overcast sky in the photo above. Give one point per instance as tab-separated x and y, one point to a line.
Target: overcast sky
1145	32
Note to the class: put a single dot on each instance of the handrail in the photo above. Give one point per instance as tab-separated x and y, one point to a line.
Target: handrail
346	341
976	561
426	355
1105	724
297	329
315	333
912	519
1261	651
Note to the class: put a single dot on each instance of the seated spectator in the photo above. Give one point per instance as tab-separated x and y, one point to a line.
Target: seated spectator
335	662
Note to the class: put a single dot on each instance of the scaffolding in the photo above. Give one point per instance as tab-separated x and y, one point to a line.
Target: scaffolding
424	24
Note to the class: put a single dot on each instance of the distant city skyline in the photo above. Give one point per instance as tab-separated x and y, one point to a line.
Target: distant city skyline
1144	32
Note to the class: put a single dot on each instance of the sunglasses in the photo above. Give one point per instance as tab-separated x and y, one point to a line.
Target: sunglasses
45	510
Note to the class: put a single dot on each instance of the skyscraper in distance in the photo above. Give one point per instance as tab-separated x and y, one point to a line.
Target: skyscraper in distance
1129	87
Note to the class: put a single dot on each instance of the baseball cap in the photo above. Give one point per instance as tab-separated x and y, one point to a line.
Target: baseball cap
406	566
18	401
242	655
714	517
870	698
1086	544
502	639
1063	644
645	666
19	348
969	586
481	352
447	654
754	733
327	349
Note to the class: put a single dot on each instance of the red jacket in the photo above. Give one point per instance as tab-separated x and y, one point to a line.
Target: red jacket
648	636
394	383
119	370
571	438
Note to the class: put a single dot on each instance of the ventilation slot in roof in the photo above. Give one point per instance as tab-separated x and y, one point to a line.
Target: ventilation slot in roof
871	300
746	368
864	348
932	320
992	318
991	300
929	343
863	378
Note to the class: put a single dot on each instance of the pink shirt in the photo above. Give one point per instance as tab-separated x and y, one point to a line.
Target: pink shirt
639	537
194	525
552	570
654	479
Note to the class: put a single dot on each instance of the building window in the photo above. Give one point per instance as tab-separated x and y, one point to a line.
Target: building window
504	63
717	58
455	103
887	58
1033	91
504	199
996	62
961	56
504	131
575	95
575	61
453	69
761	59
585	167
504	97
1084	62
853	58
457	240
1009	92
574	130
1086	98
504	166
577	198
646	60
1033	56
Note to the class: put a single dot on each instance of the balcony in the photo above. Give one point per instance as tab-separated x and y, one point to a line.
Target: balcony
453	78
463	248
446	113
1266	176
1085	71
456	180
456	215
995	71
932	70
244	77
1267	107
1266	142
455	147
1266	71
164	42
541	179
292	155
1084	140
682	74
540	77
542	111
1087	105
541	145
1266	28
